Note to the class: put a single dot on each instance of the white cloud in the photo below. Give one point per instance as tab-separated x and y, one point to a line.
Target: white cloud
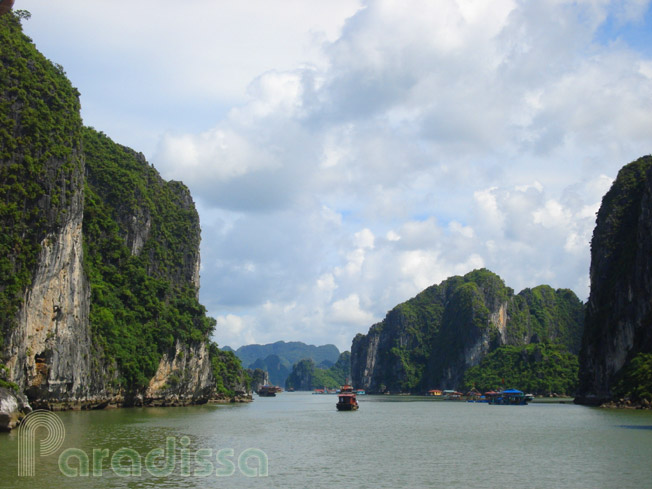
169	64
235	329
348	311
364	239
465	136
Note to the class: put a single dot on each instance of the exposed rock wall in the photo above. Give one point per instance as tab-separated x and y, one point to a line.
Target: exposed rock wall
364	352
13	408
619	310
184	376
50	353
259	378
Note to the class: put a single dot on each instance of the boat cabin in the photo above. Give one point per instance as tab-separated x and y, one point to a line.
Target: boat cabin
347	402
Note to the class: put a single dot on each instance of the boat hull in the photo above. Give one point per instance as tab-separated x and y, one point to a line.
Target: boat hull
346	407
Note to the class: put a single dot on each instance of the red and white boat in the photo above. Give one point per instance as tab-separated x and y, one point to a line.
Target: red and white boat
347	400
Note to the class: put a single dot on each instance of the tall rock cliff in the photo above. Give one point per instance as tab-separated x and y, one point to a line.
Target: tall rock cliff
431	340
99	257
619	310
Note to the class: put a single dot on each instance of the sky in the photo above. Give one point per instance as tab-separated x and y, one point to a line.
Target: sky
346	154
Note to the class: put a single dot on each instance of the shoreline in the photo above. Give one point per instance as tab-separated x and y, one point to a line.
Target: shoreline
14	406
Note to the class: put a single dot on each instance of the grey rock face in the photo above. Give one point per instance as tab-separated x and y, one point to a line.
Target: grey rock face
13	408
620	305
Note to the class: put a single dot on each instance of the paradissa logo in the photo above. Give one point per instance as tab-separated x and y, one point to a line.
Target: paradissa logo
55	434
126	462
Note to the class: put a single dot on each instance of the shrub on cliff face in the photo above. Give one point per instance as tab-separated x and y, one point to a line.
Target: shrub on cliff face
231	379
3	379
544	312
40	138
142	301
537	368
636	380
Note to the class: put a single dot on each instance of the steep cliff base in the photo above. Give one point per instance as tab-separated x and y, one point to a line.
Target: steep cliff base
120	401
594	401
627	404
178	401
13	408
616	354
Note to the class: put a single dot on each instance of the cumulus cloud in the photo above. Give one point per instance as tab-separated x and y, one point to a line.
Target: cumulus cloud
396	144
434	143
348	311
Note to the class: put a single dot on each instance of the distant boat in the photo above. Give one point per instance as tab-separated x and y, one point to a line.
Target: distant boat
347	400
451	395
508	397
268	391
360	392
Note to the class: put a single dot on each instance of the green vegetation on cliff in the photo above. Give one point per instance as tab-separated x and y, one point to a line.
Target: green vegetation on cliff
546	313
617	222
40	139
536	368
142	300
635	380
615	242
306	375
430	340
619	308
467	320
3	379
140	233
227	370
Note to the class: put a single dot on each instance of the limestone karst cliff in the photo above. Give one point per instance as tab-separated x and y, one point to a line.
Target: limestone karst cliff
432	339
619	309
99	258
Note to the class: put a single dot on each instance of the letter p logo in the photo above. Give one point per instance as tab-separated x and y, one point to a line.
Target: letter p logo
55	433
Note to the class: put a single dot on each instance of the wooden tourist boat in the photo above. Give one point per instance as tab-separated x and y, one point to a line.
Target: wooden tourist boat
347	400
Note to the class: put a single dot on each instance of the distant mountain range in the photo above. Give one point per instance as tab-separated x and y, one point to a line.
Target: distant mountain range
278	358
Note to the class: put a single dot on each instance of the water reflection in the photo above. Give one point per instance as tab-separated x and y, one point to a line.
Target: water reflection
302	441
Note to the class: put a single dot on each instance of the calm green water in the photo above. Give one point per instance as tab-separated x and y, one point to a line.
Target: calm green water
388	443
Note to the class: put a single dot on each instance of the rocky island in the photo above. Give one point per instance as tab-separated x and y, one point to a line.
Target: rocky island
99	259
616	356
433	339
